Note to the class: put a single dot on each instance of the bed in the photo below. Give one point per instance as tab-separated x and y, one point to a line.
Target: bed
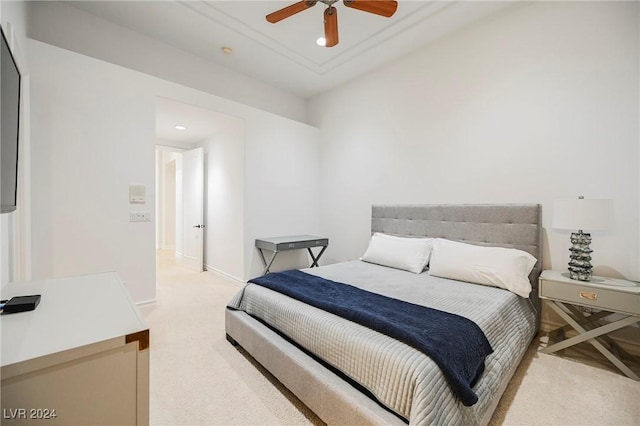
349	374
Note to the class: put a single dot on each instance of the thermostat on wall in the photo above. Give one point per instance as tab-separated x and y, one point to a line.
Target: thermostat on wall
137	194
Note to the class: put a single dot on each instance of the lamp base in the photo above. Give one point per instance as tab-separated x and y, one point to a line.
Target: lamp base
580	275
580	264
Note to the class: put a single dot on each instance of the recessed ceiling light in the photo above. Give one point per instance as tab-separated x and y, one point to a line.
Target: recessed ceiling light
226	50
180	127
321	41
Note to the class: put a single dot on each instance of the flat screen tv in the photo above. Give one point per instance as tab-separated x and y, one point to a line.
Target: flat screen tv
9	125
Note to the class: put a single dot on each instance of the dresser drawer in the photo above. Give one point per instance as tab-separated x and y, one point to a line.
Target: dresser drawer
591	296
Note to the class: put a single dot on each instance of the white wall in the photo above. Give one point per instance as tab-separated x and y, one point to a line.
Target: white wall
68	27
282	182
93	132
224	198
536	103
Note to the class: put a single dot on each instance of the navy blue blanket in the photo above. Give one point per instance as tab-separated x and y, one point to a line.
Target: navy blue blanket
456	344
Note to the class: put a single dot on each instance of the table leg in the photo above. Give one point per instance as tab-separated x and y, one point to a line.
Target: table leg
590	322
591	336
315	258
264	261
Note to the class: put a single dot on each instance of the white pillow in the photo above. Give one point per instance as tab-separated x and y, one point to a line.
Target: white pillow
410	254
494	266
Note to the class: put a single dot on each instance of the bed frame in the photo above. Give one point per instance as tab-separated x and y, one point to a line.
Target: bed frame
325	393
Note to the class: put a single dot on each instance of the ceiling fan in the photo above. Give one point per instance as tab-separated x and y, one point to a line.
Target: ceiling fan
384	8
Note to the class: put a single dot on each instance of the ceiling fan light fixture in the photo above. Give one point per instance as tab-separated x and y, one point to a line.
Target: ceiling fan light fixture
331	26
384	8
321	41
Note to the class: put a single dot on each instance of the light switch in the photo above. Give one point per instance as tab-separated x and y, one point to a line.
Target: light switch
137	194
139	216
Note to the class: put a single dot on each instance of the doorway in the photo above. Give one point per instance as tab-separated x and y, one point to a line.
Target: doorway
180	205
220	140
168	205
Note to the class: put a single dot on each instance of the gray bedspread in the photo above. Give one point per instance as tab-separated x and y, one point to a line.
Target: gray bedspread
399	376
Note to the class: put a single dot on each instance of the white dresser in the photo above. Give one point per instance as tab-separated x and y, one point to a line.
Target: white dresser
81	357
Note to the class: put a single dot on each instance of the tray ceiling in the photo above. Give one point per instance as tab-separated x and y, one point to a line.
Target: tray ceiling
285	54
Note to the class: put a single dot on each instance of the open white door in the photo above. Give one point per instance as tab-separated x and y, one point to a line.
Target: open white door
193	195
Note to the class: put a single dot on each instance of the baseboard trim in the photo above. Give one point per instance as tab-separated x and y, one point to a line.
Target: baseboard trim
217	271
147	304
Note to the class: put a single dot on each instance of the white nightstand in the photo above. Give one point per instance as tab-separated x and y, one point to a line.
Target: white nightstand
606	295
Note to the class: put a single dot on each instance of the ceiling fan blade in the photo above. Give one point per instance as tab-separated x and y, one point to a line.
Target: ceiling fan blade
285	12
331	26
379	7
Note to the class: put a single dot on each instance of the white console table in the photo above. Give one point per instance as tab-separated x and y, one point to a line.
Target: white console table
81	357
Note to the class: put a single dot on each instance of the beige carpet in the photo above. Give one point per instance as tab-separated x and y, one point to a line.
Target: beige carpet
198	378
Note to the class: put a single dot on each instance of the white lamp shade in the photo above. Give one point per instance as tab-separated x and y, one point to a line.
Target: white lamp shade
583	214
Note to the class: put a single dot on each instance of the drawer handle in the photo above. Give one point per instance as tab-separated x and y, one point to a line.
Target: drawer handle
590	296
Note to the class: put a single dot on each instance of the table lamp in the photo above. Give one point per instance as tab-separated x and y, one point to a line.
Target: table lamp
582	214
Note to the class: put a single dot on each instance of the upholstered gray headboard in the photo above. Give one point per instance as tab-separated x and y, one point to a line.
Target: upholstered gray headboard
502	225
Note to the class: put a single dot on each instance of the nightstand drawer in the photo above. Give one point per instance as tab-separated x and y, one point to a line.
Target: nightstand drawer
296	245
585	295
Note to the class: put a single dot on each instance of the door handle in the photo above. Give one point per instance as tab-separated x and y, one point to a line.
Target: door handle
198	226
